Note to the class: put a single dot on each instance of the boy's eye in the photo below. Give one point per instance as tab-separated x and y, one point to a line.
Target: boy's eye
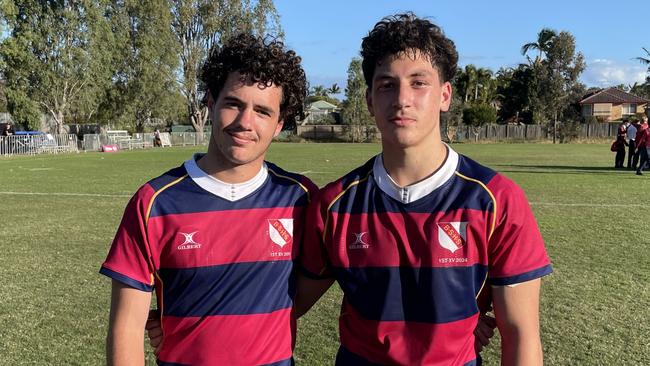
385	85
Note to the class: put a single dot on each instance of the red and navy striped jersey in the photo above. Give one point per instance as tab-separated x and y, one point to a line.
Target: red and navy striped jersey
412	262
221	268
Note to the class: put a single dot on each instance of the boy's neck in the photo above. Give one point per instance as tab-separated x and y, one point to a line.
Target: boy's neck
412	165
228	172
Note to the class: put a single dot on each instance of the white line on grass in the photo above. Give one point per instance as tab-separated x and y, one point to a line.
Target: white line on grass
587	204
64	194
128	195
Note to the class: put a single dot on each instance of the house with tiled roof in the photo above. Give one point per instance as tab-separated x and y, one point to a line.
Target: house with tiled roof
319	110
612	104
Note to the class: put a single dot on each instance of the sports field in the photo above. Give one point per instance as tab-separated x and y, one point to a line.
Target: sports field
58	215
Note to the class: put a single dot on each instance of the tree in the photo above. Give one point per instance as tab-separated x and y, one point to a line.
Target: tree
484	81
145	79
56	58
450	120
468	79
478	115
355	111
543	43
199	25
334	89
515	86
551	81
557	77
319	91
645	60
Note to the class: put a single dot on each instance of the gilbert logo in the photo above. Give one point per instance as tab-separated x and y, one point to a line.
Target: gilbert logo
359	241
452	235
189	242
281	231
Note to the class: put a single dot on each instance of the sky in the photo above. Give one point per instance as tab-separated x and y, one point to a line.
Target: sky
610	34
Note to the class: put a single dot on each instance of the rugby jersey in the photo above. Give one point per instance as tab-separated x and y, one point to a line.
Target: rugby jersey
220	259
412	261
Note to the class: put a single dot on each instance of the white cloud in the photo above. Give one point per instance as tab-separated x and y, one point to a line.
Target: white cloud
604	73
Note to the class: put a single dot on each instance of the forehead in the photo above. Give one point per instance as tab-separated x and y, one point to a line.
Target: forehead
243	85
410	61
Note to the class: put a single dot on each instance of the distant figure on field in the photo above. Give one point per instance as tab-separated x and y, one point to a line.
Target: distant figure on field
643	145
620	145
156	138
7	130
632	156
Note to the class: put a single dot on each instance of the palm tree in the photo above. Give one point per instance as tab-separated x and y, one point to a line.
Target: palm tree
483	78
544	39
334	89
470	78
319	91
643	60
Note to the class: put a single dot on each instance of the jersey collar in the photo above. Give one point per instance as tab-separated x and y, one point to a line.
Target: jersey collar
420	189
227	191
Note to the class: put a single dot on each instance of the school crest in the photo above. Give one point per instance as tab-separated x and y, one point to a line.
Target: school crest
281	231
452	235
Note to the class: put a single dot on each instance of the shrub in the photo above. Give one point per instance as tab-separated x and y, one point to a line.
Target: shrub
479	114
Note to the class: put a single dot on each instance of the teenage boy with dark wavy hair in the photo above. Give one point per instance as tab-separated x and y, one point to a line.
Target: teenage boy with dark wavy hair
416	234
216	237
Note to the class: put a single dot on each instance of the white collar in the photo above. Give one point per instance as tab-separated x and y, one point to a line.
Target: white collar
420	189
227	191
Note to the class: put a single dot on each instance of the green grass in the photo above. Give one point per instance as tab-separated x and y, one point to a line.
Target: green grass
594	219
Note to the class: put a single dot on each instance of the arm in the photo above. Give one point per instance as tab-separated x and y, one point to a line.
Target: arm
125	340
308	292
517	315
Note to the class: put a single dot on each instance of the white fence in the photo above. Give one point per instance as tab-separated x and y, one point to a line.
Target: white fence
38	144
53	144
93	142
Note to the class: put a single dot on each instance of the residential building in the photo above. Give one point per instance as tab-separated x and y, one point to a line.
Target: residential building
612	104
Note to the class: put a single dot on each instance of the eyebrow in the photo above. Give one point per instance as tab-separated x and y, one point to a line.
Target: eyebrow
267	109
416	73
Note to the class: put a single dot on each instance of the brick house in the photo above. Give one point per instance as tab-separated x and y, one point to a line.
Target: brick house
612	104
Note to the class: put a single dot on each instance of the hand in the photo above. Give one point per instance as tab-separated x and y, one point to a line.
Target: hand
154	330
484	331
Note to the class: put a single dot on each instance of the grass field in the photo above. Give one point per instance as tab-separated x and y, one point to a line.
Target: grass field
59	214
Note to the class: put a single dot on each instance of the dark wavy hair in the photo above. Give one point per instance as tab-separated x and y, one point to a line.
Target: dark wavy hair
406	32
265	61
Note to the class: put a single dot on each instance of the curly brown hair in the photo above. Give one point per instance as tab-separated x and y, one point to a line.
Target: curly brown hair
265	61
406	32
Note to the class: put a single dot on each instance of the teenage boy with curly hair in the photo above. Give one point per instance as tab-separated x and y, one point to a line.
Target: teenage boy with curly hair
215	236
416	234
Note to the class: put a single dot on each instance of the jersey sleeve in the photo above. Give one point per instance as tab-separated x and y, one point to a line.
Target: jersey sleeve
313	260
516	248
129	258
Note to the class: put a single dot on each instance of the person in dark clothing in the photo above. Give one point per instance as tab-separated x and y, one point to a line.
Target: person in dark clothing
7	130
5	147
632	156
620	146
642	146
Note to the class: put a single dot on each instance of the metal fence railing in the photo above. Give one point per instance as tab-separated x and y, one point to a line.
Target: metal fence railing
38	144
94	142
49	143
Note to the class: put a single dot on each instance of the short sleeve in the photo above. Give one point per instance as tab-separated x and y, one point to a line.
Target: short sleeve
313	260
129	258
516	248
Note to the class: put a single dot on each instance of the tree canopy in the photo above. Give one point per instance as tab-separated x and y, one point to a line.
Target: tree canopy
122	62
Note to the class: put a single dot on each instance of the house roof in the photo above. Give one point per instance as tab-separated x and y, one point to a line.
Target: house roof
612	95
321	104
